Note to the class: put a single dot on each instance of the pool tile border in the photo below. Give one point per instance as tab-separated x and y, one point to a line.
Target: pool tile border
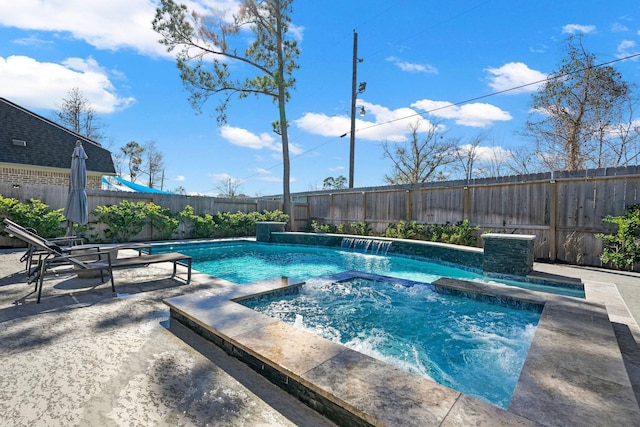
573	375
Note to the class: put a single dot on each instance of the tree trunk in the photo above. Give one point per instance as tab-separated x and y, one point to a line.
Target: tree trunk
282	101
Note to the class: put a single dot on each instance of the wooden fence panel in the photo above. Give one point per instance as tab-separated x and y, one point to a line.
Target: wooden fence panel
347	208
319	207
384	208
437	205
510	208
300	216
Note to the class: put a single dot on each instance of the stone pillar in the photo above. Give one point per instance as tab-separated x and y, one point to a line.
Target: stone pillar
509	254
265	228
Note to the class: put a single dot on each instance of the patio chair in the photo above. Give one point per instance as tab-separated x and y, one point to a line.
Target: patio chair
67	244
63	242
50	256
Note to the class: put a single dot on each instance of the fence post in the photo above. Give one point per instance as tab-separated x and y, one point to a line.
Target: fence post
409	205
553	220
331	207
466	204
364	206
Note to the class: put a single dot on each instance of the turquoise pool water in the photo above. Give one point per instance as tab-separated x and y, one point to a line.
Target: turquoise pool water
477	348
245	262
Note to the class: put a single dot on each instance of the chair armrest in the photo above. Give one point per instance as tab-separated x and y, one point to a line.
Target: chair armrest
68	241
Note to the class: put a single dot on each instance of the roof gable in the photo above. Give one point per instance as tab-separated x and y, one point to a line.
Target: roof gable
30	139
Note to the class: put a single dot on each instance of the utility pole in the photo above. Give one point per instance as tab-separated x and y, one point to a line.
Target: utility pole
355	91
352	142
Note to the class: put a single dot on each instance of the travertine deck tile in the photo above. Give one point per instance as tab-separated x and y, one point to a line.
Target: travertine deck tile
382	392
290	348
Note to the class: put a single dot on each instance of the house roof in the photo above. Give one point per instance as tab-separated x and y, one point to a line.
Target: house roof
29	139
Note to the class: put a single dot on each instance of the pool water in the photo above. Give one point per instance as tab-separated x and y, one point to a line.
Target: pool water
244	262
475	347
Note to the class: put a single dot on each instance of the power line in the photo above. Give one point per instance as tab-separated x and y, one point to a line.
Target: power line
453	104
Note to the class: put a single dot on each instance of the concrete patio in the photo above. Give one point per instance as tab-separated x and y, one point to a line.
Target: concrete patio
83	357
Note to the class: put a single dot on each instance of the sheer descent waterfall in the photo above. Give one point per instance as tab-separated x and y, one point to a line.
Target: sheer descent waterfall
371	246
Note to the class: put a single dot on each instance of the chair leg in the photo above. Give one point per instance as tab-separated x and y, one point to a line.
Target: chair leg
113	284
28	257
40	282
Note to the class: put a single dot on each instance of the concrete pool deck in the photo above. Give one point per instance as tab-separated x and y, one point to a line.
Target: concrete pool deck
82	357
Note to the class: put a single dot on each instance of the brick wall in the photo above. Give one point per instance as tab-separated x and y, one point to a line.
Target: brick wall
14	175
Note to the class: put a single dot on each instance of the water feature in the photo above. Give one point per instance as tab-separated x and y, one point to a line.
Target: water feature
475	347
376	247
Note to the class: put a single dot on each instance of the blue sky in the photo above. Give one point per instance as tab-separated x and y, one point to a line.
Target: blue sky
417	55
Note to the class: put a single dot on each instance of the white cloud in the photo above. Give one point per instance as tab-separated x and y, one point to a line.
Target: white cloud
32	40
618	27
380	123
296	31
539	48
412	67
244	138
578	29
107	25
512	75
627	48
49	83
472	115
490	153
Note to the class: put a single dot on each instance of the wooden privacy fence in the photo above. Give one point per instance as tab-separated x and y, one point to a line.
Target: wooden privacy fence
564	210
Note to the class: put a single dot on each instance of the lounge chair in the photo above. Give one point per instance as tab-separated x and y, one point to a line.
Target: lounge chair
68	245
51	256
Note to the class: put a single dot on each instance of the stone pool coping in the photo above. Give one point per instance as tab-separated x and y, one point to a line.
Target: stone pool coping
574	373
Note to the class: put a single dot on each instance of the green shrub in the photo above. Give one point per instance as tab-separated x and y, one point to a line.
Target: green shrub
404	230
240	224
360	228
276	216
203	225
123	221
163	224
461	233
232	224
622	249
228	224
326	228
34	214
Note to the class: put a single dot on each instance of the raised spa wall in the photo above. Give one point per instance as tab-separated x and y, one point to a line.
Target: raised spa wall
502	255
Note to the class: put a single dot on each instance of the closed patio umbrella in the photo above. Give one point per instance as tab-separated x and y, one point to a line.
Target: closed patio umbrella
76	209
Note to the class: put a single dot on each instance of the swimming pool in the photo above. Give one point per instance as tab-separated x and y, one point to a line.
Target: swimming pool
475	347
244	262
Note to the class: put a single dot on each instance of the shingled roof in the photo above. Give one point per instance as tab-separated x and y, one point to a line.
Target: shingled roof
29	139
